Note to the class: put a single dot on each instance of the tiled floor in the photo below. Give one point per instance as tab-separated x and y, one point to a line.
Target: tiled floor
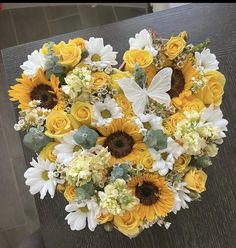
18	215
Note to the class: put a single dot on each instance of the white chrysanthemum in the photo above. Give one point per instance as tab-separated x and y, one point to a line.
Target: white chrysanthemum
180	197
148	121
174	148
80	212
98	54
214	116
162	165
41	178
165	163
206	60
105	112
66	149
35	61
143	40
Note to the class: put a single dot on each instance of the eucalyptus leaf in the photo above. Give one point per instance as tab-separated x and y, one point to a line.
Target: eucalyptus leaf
201	162
139	75
35	139
85	191
156	139
86	137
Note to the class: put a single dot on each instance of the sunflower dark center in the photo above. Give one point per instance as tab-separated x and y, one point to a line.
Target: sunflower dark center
119	144
147	193
45	94
177	83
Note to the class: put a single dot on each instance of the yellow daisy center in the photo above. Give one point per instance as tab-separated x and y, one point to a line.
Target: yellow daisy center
84	209
95	57
45	175
105	114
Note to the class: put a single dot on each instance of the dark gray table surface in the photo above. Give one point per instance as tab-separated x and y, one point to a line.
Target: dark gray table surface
207	224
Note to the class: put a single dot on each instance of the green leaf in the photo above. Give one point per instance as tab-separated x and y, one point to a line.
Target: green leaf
139	75
156	139
85	191
201	162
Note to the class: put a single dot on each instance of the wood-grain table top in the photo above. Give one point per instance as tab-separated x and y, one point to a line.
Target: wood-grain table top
210	223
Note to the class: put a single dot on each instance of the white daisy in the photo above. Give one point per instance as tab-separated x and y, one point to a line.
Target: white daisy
66	150
105	112
165	163
148	121
35	61
41	177
79	212
206	60
162	165
98	54
143	40
180	197
174	148
214	116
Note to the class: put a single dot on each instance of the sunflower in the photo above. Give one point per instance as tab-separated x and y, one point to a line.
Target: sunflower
156	199
123	140
181	83
37	88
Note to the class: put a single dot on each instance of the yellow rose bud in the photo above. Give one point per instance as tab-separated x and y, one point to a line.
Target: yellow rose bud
116	76
104	218
100	79
57	124
146	159
135	56
214	89
174	46
171	122
195	104
69	54
125	105
128	223
70	193
82	112
47	152
182	162
196	180
80	42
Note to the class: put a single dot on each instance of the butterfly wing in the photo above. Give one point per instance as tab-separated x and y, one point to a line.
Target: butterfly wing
134	93
160	84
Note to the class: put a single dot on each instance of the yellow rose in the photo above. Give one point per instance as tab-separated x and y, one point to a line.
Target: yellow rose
196	180
47	152
80	42
125	105
44	49
146	159
214	89
129	223
151	71
100	79
82	112
69	54
104	218
174	46
118	75
183	98
135	56
171	122
70	193
195	104
74	123
182	162
57	124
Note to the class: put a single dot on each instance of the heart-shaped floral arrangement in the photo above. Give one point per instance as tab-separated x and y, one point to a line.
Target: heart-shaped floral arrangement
126	147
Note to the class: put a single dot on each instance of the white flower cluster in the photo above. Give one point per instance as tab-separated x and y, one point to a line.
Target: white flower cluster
32	117
77	81
200	132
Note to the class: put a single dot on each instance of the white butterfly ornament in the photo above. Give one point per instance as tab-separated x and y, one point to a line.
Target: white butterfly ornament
157	90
